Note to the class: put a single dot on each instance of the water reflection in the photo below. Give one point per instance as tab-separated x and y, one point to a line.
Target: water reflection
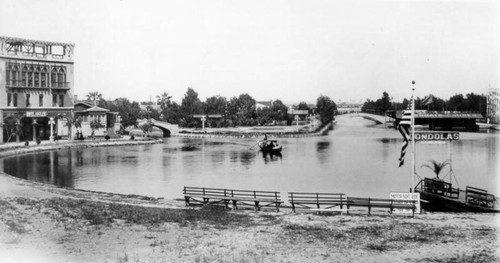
322	146
353	159
271	157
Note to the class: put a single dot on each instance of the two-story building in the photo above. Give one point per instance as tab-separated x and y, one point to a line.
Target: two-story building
36	87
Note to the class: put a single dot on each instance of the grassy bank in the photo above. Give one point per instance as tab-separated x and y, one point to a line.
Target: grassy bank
93	231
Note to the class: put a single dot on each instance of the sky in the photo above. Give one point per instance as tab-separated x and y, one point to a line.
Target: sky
286	49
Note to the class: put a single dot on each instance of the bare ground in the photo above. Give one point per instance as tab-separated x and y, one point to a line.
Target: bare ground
42	223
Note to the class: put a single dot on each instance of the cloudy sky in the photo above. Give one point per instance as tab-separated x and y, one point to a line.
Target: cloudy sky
287	49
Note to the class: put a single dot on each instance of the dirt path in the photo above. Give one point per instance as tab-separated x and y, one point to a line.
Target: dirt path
40	223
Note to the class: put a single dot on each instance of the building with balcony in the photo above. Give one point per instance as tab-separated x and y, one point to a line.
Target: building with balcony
36	86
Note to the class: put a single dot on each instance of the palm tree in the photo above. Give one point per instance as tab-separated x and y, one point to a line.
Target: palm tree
94	96
436	166
71	121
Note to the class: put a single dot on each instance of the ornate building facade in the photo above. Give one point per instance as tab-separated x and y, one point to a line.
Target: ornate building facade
492	108
36	87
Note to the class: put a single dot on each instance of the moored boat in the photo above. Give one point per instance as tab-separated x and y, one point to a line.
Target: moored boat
440	196
436	194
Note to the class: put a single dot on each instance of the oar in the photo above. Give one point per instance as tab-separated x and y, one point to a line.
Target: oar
254	145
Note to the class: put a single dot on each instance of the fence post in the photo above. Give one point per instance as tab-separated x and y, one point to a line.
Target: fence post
369	206
317	200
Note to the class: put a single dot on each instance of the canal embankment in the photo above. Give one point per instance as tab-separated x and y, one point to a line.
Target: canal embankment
13	148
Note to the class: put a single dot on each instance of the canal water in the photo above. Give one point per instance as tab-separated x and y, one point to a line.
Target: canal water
357	158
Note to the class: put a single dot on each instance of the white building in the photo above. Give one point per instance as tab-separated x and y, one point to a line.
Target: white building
492	105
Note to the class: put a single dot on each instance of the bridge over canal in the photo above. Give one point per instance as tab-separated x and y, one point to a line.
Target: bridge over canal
168	129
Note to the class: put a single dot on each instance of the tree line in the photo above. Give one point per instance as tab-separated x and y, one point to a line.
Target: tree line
236	111
470	102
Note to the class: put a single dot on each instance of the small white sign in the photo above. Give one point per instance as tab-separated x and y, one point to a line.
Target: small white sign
406	196
36	114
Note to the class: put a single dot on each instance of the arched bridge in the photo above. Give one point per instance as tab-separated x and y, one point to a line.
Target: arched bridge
373	117
168	129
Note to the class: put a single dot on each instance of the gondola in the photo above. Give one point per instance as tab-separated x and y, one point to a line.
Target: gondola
270	146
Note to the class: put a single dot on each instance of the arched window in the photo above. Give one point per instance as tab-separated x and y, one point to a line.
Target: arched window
8	70
43	77
14	100
40	100
24	76
61	77
28	103
15	75
53	77
37	73
31	71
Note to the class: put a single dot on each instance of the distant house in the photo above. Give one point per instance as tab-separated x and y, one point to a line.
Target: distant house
263	104
344	107
87	112
152	105
492	106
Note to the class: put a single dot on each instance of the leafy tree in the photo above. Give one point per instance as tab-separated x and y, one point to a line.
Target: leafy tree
264	115
457	103
246	109
128	111
216	105
477	103
149	113
280	110
95	124
190	105
303	106
12	126
232	111
173	113
147	127
369	106
326	108
384	103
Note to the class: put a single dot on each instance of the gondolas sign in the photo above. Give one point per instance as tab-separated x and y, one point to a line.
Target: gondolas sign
436	136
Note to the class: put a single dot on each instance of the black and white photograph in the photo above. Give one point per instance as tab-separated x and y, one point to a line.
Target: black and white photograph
249	131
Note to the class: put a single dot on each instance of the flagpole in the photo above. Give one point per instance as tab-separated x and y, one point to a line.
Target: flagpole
412	138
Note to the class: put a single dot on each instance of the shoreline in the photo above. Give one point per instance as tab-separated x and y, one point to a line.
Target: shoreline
46	223
13	148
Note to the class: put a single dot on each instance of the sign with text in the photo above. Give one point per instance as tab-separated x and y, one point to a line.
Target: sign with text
437	136
401	197
36	114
